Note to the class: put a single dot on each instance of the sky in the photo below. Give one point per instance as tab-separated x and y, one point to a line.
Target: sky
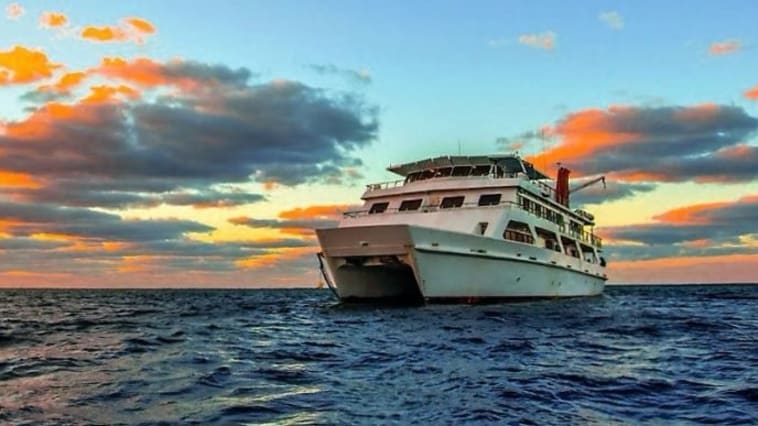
169	144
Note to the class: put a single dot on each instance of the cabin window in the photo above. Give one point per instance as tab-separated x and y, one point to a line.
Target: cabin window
481	171
461	170
588	253
450	202
489	200
525	203
569	247
427	174
518	231
443	172
538	209
481	227
412	177
378	207
550	240
410	204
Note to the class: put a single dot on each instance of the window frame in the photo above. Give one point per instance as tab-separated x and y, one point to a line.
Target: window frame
454	199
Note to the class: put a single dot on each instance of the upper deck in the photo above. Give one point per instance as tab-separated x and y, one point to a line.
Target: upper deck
463	172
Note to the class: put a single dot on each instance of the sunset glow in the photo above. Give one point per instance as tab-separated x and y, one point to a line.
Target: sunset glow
138	147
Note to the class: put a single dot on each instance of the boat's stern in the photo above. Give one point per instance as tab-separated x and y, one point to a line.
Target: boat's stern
370	263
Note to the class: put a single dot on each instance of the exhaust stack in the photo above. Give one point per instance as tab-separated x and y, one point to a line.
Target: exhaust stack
562	186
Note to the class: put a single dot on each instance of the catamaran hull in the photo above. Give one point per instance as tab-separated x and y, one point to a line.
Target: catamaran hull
416	263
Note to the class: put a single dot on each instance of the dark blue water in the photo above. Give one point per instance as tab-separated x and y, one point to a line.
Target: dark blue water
637	355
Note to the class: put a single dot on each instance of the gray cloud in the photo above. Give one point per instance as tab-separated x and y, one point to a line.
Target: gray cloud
136	154
300	224
693	231
613	190
360	76
27	219
669	143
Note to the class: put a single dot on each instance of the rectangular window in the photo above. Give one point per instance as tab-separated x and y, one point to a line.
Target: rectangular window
443	172
518	231
450	202
461	171
489	200
378	207
410	205
481	171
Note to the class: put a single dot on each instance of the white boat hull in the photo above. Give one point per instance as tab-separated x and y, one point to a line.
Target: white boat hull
413	262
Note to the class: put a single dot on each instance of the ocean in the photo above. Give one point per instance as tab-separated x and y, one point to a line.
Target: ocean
636	355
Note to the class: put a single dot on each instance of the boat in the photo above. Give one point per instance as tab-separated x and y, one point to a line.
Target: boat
464	229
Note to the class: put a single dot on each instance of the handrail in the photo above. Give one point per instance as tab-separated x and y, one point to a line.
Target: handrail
403	182
385	185
582	235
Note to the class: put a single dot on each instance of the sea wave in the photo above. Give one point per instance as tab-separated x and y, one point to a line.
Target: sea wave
636	355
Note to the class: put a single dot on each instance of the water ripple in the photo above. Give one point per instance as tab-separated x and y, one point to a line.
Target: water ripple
637	355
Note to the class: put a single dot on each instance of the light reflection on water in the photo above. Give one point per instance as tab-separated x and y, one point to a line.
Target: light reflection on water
635	355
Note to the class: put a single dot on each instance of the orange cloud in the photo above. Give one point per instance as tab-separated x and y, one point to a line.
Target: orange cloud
141	25
53	19
131	29
142	71
735	152
654	143
695	214
105	34
104	93
583	133
39	124
752	94
141	263
21	65
276	257
18	180
694	269
66	82
724	47
328	211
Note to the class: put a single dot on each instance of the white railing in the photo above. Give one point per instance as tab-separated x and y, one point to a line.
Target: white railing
581	235
402	182
385	185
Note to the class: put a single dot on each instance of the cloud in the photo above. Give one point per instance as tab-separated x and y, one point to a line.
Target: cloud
14	11
20	65
299	221
693	269
612	19
724	47
53	20
187	75
211	198
131	29
141	25
357	76
544	40
752	94
173	146
612	191
23	220
703	143
720	228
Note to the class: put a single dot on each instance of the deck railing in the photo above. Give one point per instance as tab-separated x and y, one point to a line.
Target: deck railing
402	182
581	235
